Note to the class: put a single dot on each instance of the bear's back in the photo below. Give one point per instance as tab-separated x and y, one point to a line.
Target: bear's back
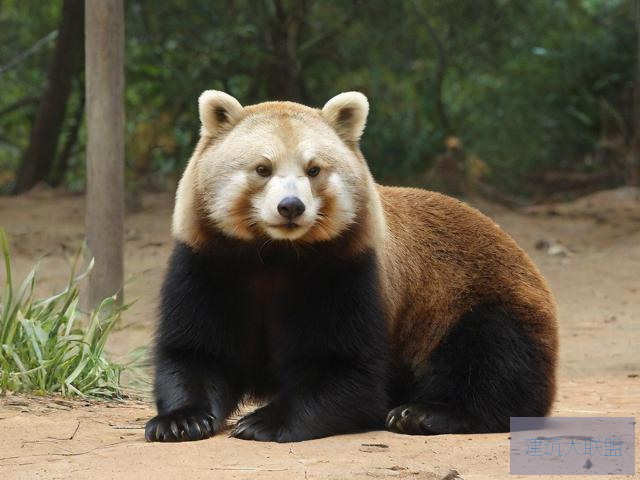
441	258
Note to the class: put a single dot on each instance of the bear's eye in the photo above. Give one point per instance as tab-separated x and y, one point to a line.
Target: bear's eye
313	171
263	170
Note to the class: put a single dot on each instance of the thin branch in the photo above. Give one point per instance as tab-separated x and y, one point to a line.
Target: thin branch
29	51
53	439
17	105
247	469
441	70
69	454
325	36
442	53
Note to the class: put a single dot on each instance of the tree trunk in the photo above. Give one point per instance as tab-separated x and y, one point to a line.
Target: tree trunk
283	69
634	156
62	162
104	220
40	154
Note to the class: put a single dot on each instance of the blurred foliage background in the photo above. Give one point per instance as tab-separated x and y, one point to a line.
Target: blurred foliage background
538	94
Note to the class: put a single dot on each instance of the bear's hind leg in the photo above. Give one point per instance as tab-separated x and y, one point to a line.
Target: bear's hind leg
484	372
418	419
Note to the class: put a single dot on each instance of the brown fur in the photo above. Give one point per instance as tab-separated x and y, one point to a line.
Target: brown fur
440	259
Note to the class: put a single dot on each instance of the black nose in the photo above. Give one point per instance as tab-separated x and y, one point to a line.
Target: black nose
291	207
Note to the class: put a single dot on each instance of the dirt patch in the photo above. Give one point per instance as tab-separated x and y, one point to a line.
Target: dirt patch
595	277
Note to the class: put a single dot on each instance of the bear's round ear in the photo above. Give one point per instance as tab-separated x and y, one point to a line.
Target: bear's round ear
218	112
347	115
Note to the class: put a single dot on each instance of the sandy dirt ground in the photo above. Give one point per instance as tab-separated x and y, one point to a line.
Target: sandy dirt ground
589	250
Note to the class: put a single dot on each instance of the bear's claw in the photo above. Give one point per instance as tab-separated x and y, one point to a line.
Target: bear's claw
261	425
181	426
415	419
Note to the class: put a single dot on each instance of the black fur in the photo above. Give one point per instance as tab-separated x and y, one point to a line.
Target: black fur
485	371
303	330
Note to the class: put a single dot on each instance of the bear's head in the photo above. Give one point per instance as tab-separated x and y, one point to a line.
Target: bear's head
276	170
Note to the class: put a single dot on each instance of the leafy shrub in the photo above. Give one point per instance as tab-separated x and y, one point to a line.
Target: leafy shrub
46	346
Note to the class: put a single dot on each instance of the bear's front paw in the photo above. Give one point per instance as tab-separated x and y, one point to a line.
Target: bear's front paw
263	425
181	426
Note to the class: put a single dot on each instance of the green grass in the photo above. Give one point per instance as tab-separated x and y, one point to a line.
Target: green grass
49	346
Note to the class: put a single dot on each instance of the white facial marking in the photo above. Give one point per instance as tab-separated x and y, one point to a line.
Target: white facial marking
345	211
277	189
222	204
307	154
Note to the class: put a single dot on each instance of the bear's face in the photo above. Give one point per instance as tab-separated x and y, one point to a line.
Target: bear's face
279	170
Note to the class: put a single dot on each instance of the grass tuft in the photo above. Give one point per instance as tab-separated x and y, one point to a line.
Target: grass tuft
48	346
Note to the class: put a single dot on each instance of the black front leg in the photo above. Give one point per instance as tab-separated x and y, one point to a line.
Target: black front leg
196	383
332	356
193	395
325	397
